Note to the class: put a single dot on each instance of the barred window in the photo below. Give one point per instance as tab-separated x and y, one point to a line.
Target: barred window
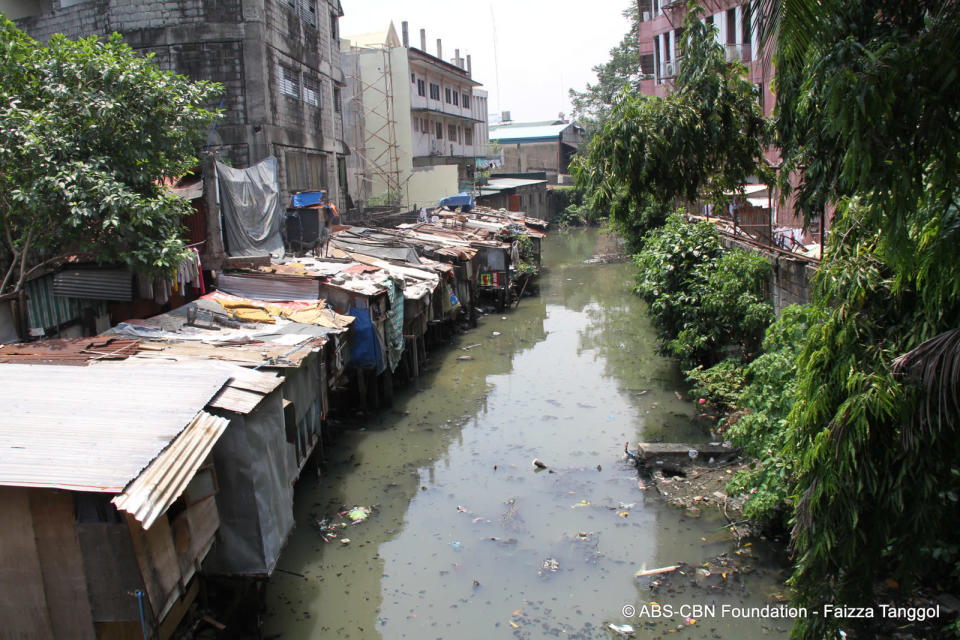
289	81
312	92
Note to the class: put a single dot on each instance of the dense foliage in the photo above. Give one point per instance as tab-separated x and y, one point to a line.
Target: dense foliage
852	410
868	110
706	137
88	131
705	302
765	401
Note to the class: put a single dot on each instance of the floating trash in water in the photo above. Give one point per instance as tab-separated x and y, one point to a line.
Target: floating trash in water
623	629
496	333
456	545
550	565
582	503
359	514
539	464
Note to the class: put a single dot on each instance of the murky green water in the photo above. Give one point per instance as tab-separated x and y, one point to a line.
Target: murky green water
464	525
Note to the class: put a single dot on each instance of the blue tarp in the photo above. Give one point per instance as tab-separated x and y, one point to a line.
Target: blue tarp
459	200
366	347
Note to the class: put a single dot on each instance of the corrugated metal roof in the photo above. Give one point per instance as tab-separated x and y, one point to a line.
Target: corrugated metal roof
94	429
510	183
521	132
269	287
95	283
77	351
46	310
151	494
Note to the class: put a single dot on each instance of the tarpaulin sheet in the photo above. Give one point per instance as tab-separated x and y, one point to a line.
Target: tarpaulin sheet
366	346
394	326
251	208
255	500
461	199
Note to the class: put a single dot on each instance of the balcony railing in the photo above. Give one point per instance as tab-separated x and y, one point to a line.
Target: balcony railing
741	52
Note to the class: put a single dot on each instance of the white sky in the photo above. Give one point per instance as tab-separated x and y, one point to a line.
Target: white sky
543	47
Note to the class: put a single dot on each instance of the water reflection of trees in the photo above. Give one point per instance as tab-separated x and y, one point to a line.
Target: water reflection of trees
619	332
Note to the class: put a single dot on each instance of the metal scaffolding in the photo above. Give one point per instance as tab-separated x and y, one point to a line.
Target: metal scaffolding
375	125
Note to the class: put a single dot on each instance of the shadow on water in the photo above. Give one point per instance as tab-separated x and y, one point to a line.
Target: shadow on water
468	540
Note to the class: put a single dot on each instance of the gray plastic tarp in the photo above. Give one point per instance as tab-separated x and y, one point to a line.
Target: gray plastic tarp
255	501
251	209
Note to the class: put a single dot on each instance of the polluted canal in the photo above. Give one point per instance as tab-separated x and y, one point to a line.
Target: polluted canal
467	539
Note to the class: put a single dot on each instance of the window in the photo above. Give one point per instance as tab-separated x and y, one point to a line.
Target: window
439	131
312	91
305	171
468	136
434	91
413	78
456	98
447	91
421	88
334	29
466	101
336	99
416	125
452	132
308	11
289	82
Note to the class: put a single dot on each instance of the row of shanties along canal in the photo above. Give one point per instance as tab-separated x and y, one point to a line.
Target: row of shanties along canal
345	439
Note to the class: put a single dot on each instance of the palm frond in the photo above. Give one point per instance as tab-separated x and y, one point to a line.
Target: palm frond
935	367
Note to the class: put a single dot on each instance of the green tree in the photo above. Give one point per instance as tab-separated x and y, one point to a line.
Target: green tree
88	131
706	303
868	115
653	154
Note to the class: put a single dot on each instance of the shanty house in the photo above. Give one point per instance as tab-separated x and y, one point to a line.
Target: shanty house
107	495
275	422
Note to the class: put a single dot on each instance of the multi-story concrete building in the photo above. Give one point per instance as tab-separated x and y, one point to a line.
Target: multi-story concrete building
661	30
278	60
422	125
660	33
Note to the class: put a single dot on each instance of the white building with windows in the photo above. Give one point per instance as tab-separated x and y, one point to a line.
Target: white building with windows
417	122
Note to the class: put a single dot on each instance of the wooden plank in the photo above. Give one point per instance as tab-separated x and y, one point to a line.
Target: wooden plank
193	530
61	561
23	607
236	400
260	381
170	623
248	262
157	560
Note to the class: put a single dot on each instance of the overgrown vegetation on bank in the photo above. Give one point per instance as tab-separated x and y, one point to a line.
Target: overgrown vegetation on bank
850	405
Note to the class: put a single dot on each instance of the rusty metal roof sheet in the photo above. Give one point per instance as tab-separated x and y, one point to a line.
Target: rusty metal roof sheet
151	494
95	429
67	351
